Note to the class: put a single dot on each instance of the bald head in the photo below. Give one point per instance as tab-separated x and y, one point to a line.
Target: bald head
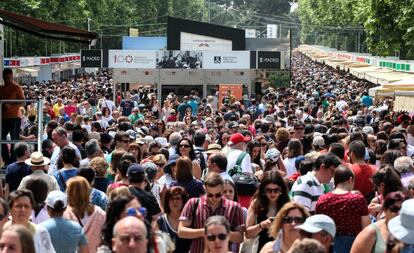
130	235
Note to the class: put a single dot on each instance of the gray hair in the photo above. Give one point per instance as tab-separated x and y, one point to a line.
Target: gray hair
175	138
91	147
404	164
61	131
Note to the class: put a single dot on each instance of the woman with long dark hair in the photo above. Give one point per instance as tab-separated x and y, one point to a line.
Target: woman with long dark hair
271	196
254	150
186	148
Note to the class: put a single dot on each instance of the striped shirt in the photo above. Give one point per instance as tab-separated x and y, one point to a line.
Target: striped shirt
306	191
229	209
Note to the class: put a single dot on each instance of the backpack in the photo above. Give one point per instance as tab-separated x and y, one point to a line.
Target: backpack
201	159
246	184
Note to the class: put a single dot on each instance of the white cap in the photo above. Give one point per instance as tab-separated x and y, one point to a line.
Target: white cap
55	196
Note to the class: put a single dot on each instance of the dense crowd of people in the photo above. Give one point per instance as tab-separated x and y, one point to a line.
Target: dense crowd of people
316	167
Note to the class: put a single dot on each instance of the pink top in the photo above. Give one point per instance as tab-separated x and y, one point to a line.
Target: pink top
92	228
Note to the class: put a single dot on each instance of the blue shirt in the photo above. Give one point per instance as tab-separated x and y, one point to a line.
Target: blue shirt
66	235
99	198
63	175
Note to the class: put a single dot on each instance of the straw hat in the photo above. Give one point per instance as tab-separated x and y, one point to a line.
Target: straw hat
37	159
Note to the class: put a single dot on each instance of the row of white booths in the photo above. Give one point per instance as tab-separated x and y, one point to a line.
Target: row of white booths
395	78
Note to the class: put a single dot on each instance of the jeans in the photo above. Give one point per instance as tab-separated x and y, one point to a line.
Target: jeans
343	243
11	126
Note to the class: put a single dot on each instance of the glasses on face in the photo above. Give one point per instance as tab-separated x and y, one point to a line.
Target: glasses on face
220	236
271	190
126	141
297	220
185	146
304	234
160	164
217	195
394	209
299	128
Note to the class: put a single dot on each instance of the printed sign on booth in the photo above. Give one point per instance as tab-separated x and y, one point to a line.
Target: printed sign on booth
236	91
226	60
132	59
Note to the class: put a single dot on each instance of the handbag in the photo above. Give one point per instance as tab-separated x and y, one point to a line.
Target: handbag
250	245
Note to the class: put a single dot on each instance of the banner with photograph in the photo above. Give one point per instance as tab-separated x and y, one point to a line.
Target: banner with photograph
179	59
226	60
132	59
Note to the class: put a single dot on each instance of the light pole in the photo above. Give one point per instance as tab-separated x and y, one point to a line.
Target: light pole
89	29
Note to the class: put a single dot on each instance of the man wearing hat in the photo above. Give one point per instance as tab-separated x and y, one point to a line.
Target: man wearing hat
38	164
319	227
402	226
137	183
238	145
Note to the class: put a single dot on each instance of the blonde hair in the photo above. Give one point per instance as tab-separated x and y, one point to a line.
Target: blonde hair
100	166
122	191
78	192
278	222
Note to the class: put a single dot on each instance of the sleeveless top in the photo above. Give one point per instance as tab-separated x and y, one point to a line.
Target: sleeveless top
379	246
181	245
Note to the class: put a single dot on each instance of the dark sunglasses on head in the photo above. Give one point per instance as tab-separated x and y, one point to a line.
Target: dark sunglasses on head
297	220
217	195
275	190
394	209
220	236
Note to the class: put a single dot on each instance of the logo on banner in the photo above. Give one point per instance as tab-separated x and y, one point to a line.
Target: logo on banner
268	60
203	45
217	59
225	59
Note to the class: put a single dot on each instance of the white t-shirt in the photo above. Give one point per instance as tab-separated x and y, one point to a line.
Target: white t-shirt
109	104
232	156
290	166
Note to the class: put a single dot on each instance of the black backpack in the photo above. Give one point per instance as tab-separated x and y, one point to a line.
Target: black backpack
246	184
201	159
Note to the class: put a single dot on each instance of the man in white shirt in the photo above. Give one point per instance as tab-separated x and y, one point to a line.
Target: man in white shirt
60	137
238	145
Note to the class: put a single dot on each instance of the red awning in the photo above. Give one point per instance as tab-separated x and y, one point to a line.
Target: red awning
45	29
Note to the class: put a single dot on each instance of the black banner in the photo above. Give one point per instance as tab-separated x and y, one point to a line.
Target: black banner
268	60
91	58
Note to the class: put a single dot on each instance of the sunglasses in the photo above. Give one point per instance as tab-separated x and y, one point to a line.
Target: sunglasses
185	146
299	128
220	236
217	195
297	220
275	190
394	209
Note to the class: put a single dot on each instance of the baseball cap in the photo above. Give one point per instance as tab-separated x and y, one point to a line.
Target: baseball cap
272	154
171	162
237	138
317	223
402	226
135	169
54	196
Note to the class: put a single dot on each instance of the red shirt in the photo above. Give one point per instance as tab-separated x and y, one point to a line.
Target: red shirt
69	109
363	178
345	209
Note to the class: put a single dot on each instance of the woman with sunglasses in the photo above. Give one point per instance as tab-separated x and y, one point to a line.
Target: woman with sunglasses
283	228
373	238
271	196
348	210
186	148
217	235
